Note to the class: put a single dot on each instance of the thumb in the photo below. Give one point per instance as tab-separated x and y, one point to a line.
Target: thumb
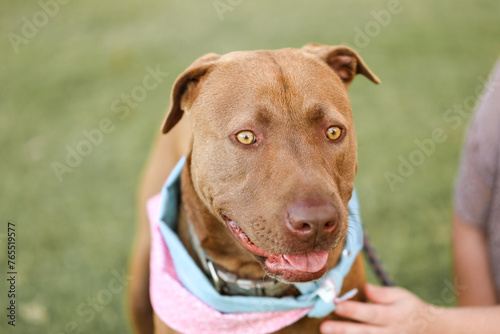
384	295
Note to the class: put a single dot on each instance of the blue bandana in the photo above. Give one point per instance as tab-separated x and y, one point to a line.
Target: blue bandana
318	295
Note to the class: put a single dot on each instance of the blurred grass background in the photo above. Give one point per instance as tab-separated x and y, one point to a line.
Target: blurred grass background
64	79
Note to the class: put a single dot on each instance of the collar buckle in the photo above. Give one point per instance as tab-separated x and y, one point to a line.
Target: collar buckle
214	276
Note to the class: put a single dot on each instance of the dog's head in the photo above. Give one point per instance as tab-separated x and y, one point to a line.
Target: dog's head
274	150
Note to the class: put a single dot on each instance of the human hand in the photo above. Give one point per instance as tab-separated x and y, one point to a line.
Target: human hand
394	310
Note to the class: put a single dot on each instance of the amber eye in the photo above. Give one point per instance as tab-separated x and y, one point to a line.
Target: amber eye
333	132
246	137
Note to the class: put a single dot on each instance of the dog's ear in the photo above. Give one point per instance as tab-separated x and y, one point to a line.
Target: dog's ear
186	89
343	60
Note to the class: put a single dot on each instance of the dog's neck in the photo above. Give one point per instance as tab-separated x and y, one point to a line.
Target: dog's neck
215	238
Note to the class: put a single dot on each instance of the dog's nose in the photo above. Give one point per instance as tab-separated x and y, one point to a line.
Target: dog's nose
308	220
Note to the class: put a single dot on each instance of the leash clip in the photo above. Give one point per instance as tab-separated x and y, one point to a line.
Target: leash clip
328	293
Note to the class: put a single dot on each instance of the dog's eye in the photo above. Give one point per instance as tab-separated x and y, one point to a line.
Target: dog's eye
333	132
246	137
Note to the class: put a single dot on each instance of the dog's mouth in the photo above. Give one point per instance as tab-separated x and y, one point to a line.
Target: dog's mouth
302	267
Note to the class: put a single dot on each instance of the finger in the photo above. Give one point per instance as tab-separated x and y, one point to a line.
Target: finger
384	295
342	327
368	313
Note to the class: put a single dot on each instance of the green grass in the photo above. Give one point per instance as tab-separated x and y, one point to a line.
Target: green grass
72	234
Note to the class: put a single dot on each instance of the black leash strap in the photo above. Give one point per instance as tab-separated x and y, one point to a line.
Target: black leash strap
375	263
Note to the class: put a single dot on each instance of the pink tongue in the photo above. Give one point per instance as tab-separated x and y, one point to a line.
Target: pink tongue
308	262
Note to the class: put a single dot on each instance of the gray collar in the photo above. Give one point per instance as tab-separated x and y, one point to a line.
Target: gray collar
228	283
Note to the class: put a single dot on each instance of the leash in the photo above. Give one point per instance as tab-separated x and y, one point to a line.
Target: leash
375	262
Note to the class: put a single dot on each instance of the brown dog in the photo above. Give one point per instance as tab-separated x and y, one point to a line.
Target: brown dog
269	170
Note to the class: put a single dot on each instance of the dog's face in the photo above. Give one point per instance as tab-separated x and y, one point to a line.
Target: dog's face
274	150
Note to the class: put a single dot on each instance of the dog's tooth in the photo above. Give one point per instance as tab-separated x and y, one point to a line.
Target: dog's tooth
242	235
234	226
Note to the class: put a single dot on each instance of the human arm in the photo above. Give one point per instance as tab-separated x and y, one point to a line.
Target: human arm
396	310
472	265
